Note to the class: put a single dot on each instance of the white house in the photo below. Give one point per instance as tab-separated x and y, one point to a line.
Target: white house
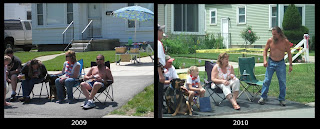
51	19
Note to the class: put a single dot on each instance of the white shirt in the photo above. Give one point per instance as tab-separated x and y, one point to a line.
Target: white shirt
170	74
161	55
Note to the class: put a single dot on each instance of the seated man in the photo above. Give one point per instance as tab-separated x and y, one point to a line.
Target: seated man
13	69
98	77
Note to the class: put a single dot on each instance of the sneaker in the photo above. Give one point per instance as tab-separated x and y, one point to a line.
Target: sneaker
27	100
89	105
85	103
261	101
282	103
13	98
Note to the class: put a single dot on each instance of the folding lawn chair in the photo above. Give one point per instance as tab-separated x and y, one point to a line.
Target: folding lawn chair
80	79
249	78
106	89
207	84
44	83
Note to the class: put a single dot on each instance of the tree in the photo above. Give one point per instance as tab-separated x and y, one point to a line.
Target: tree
292	24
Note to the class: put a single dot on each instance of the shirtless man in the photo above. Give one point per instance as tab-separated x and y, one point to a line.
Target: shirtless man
278	45
98	77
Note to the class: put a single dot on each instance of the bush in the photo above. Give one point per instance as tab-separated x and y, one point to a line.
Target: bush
291	24
248	35
291	18
175	45
295	36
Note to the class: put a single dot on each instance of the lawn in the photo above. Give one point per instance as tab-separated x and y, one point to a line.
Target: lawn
56	64
140	105
26	56
190	60
300	82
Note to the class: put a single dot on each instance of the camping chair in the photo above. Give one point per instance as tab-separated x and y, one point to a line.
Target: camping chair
80	79
207	84
249	78
106	89
44	82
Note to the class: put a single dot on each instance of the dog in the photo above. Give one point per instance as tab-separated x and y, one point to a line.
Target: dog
53	90
181	105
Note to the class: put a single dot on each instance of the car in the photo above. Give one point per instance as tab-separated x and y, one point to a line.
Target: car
18	34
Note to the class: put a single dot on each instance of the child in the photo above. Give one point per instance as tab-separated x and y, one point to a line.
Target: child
193	83
6	61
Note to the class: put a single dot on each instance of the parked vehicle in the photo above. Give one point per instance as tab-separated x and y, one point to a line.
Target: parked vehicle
18	34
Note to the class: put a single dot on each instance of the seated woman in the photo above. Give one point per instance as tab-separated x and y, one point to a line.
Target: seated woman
223	76
34	72
71	72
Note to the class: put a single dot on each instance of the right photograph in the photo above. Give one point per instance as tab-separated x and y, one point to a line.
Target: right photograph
236	61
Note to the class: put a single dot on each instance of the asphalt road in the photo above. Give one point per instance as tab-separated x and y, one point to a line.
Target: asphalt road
129	80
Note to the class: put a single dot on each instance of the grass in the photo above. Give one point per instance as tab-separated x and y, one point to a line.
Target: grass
26	56
140	105
300	82
56	64
189	59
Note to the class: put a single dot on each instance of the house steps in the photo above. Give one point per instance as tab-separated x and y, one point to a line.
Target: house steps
80	46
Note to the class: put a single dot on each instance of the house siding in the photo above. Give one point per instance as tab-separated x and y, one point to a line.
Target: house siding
255	17
310	19
112	27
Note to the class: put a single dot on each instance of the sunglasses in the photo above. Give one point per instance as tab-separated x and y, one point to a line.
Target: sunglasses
67	56
99	59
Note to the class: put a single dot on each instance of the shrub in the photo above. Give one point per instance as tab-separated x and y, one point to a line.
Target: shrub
248	35
291	24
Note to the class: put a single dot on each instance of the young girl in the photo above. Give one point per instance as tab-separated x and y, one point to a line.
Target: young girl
6	61
193	83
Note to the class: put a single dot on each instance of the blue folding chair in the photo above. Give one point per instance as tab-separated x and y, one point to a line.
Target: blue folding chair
80	79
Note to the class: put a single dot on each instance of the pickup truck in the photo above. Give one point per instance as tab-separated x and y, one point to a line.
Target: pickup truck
18	33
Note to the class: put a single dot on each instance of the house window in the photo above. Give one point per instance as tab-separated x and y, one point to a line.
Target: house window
241	15
213	16
273	17
40	14
186	17
28	15
55	14
69	13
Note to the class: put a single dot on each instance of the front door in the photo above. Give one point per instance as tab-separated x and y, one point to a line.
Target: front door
94	14
225	31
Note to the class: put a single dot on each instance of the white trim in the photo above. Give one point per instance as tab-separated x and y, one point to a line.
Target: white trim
201	21
210	16
245	14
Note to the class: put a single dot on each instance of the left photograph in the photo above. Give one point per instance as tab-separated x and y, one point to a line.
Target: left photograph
78	60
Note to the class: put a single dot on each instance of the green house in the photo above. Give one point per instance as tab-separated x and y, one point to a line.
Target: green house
228	20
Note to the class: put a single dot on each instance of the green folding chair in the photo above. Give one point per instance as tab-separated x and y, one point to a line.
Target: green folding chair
248	78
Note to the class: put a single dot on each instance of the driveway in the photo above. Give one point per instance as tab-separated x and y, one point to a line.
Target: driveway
129	80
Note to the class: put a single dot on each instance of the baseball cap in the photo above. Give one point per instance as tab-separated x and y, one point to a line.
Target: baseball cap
161	27
169	59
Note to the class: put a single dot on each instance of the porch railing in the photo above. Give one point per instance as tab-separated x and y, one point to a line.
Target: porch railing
66	37
85	30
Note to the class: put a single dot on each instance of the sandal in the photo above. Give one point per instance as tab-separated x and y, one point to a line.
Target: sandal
236	107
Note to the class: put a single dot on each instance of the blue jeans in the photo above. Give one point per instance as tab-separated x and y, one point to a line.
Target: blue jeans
69	84
28	84
280	68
